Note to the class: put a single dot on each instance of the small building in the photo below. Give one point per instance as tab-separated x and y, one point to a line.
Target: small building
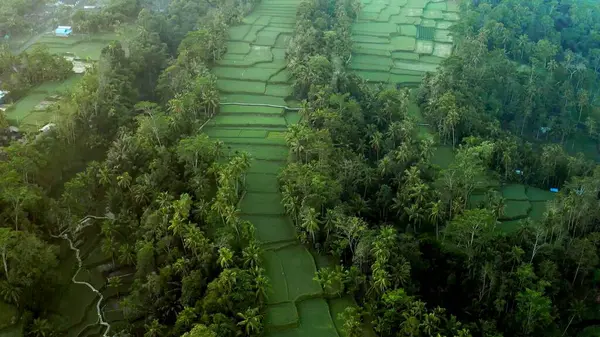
47	127
63	31
3	96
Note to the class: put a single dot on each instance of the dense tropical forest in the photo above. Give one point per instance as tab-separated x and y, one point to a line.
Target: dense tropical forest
130	179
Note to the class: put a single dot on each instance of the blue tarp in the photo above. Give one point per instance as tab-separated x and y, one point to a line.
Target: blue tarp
63	31
554	189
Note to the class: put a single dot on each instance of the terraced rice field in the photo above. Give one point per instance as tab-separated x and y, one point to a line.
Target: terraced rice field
521	202
253	71
31	112
398	41
84	46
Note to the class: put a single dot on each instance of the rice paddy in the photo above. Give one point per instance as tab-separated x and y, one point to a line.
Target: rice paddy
253	71
398	41
84	46
31	112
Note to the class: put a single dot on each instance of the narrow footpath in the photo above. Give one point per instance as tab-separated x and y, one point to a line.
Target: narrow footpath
252	74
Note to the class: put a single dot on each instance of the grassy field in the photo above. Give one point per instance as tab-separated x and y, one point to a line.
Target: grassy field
30	112
397	41
253	71
85	46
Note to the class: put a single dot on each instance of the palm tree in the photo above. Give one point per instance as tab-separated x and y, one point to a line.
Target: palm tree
225	257
251	255
154	329
310	222
436	210
115	282
126	254
251	321
41	328
376	140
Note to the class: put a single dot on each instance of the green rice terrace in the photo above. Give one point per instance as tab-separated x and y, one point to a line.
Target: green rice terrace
84	46
398	41
31	112
252	75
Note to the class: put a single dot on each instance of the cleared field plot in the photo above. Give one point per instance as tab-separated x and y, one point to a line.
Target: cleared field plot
254	99
401	30
262	203
514	192
265	166
250	120
536	194
514	210
85	46
315	320
29	113
538	208
278	292
281	316
299	267
253	71
256	182
271	229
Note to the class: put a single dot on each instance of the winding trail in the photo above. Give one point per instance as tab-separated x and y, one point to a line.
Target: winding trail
65	236
254	116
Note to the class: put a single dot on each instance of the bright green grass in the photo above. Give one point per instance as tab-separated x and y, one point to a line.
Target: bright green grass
23	107
278	292
403	43
280	90
247	74
262	203
248	109
73	303
243	133
443	36
370	39
271	229
253	141
404	19
238	33
255	99
536	194
267	38
538	208
265	166
400	55
369	59
374	28
282	76
443	24
281	316
371	67
250	87
374	76
36	119
514	210
90	317
315	320
514	192
8	314
450	16
236	47
256	182
299	267
250	120
431	59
